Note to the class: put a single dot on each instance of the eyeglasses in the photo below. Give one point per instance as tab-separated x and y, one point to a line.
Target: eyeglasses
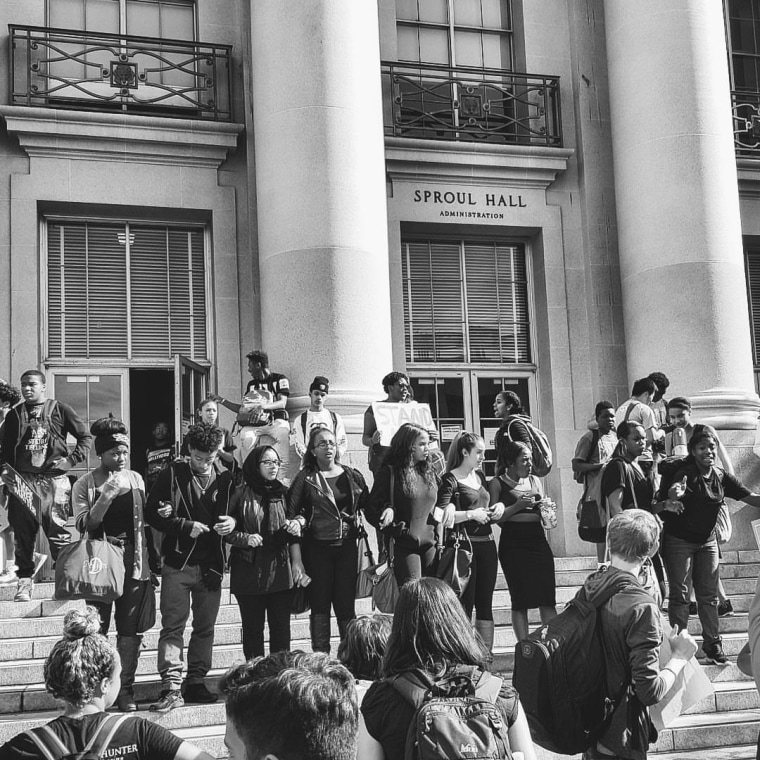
270	462
326	445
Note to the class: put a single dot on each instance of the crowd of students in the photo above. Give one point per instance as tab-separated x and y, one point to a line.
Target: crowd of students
212	511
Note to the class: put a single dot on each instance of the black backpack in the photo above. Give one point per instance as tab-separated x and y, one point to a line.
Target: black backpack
559	673
52	748
455	718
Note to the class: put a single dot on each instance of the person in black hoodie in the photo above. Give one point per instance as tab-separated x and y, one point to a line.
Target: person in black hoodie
34	444
189	505
260	574
326	499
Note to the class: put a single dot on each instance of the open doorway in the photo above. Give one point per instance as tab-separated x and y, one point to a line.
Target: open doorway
151	397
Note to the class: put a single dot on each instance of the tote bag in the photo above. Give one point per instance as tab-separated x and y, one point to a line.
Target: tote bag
89	569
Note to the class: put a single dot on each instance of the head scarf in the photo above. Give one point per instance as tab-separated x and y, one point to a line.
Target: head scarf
271	493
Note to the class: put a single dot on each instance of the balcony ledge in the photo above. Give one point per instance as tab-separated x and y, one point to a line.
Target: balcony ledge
53	133
431	160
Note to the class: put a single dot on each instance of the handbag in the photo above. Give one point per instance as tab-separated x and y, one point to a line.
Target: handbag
365	568
592	511
89	569
300	600
384	586
455	562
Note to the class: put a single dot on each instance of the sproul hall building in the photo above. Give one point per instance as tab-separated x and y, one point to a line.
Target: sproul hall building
554	196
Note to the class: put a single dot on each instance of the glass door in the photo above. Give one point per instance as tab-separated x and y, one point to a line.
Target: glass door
92	394
190	388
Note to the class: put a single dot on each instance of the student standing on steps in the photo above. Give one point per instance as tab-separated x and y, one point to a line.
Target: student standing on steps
317	415
189	504
110	502
34	444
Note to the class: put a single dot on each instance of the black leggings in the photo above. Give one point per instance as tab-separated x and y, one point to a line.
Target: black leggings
411	563
332	568
253	609
479	591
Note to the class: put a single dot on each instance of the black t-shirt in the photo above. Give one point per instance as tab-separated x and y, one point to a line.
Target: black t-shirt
620	474
158	458
135	739
277	385
702	500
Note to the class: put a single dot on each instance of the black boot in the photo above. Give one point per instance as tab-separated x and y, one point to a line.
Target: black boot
320	633
342	625
128	648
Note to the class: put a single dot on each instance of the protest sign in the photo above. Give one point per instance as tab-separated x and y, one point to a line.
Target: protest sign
25	493
389	417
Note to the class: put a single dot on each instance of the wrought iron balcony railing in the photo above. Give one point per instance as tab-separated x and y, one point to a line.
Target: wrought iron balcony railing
61	68
469	104
745	108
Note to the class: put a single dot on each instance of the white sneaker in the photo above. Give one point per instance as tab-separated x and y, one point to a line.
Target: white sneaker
24	592
39	560
8	576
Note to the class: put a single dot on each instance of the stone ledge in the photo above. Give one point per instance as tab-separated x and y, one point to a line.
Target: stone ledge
477	163
54	133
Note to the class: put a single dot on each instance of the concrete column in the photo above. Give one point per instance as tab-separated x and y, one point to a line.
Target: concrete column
321	194
682	270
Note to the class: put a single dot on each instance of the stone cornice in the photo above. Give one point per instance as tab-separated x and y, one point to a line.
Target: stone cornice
474	163
91	135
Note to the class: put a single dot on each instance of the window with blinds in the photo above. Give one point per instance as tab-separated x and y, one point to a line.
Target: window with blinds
752	267
125	291
465	302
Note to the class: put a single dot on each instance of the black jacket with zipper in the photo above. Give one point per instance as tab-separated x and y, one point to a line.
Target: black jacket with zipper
174	485
312	498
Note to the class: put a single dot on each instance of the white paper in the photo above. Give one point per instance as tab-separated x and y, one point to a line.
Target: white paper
756	530
691	686
389	417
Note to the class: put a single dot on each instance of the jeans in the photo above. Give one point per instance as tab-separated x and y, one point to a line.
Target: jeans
277	435
178	588
253	609
55	494
333	577
701	561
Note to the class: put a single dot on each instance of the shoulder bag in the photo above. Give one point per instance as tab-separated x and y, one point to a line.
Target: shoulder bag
384	584
89	569
455	562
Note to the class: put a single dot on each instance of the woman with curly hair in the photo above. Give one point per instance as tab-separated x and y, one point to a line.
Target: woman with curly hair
83	670
327	498
109	502
402	500
432	643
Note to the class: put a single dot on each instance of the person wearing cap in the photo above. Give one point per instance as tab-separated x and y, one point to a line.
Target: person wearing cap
317	415
110	501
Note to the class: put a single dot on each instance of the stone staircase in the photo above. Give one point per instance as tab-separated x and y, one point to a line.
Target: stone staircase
723	726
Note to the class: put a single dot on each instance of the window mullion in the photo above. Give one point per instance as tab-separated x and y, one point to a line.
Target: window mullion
465	314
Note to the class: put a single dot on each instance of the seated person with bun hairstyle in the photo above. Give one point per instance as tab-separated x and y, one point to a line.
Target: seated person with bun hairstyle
83	670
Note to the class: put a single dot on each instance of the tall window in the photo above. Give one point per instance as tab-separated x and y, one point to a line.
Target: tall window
465	301
752	267
474	33
744	44
171	19
122	290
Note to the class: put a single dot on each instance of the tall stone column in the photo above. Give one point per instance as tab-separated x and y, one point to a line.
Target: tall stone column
321	194
681	262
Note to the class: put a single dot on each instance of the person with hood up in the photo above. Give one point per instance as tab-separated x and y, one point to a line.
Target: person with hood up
631	636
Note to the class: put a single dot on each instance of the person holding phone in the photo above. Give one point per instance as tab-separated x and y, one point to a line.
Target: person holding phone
525	555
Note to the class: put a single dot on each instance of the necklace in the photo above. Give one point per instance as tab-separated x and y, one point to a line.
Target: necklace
202	488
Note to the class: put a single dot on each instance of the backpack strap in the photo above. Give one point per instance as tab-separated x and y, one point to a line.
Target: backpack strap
48	743
630	409
303	425
104	733
594	443
413	686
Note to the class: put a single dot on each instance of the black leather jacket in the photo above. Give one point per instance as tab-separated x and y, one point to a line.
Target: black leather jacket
312	498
